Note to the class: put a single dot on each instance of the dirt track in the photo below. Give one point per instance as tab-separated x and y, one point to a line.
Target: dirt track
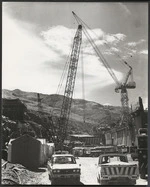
88	173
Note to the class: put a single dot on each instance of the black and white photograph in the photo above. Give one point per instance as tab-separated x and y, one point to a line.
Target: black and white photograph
74	93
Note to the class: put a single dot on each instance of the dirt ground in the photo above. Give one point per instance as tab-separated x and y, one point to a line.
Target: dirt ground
88	174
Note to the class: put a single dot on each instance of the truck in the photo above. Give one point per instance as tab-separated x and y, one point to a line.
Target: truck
114	169
63	167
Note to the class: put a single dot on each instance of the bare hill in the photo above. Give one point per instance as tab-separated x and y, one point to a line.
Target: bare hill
96	115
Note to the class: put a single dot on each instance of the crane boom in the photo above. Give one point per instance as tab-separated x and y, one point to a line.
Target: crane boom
122	86
70	83
99	54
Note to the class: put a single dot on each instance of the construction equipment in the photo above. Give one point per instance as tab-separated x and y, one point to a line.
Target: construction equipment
70	83
39	102
142	138
120	86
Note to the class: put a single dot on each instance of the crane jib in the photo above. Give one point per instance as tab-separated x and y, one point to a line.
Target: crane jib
123	86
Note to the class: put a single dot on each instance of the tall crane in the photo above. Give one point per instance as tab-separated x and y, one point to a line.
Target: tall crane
122	86
70	83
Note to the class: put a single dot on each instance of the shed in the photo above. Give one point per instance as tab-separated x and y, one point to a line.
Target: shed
25	150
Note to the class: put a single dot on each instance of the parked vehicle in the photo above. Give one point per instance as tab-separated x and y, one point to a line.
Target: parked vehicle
134	152
63	166
78	151
122	148
115	169
97	151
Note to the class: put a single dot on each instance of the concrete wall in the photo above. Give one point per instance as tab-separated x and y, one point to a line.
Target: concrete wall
118	137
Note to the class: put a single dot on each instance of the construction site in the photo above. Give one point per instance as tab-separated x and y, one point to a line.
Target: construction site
35	126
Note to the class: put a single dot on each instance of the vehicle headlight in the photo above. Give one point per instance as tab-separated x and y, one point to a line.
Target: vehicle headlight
76	170
56	171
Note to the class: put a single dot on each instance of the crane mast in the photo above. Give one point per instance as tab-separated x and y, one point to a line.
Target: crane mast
70	83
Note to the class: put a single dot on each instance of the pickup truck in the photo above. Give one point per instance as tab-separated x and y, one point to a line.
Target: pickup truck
63	166
114	169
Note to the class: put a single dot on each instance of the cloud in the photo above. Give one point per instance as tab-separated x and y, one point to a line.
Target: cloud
114	38
144	52
59	38
134	44
23	56
35	62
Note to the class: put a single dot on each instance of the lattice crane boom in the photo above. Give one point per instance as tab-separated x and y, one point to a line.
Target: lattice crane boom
123	86
70	83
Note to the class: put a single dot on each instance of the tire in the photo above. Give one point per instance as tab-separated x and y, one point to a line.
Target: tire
133	182
142	175
49	176
53	181
103	182
78	180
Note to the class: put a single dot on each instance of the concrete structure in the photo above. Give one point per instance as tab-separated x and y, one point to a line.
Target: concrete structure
125	135
118	136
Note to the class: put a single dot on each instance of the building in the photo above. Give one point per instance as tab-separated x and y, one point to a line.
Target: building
126	135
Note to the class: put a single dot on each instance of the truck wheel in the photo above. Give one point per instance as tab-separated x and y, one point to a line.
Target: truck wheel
53	181
142	174
103	182
78	180
133	182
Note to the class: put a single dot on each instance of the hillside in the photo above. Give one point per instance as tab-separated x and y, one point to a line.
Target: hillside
96	115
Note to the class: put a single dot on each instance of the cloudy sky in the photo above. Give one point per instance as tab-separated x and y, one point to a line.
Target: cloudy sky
37	38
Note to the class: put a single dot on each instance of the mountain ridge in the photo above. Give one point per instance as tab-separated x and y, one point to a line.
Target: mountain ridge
94	113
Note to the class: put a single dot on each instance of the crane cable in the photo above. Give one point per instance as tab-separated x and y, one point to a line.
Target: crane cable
83	85
63	75
61	80
124	62
99	54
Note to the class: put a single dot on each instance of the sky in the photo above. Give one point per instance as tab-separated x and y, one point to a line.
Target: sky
37	39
